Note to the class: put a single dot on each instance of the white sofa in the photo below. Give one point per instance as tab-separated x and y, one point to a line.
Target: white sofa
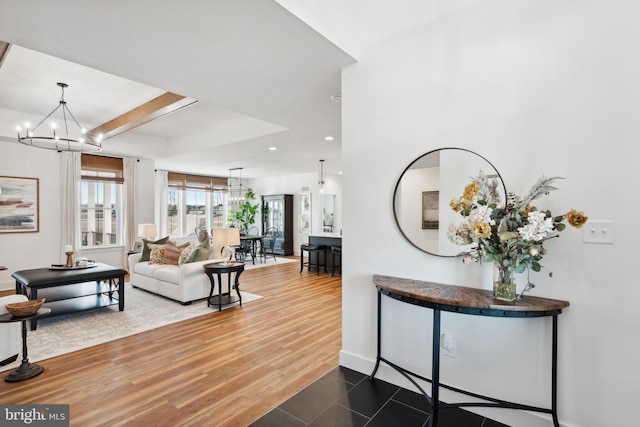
184	283
10	333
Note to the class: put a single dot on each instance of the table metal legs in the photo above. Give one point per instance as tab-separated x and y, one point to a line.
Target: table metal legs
26	369
435	370
434	399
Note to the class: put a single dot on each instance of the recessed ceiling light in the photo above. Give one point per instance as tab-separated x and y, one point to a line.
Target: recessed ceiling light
273	148
328	138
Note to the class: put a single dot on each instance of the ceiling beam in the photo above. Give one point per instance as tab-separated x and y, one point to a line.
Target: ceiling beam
164	104
4	51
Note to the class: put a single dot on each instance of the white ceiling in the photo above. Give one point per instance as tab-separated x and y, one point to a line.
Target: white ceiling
261	76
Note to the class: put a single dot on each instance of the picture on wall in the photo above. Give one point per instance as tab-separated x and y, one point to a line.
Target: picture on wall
430	209
305	213
19	205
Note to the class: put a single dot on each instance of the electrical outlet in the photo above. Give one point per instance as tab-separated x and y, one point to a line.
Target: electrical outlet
598	232
448	345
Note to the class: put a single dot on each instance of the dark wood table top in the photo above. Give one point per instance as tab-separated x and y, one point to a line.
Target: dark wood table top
46	277
455	298
223	268
8	317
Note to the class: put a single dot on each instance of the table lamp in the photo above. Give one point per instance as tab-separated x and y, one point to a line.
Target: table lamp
226	237
146	231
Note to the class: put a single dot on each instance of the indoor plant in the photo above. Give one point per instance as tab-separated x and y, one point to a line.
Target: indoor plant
512	235
245	215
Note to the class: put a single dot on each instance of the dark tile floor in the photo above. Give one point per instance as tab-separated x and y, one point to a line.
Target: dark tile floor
346	398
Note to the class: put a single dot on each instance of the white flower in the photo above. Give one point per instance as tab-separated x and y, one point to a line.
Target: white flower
481	214
537	228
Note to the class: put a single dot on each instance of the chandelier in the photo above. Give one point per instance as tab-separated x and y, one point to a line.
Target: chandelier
59	139
236	190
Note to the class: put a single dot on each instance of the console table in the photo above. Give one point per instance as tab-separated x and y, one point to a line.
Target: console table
464	300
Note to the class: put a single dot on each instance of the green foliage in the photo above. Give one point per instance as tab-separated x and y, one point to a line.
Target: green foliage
245	215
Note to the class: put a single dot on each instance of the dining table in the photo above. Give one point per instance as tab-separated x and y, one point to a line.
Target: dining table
254	239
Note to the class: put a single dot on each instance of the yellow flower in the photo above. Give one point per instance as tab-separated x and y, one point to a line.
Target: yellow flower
575	218
455	205
482	230
471	190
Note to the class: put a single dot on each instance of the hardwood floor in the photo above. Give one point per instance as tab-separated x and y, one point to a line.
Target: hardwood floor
223	369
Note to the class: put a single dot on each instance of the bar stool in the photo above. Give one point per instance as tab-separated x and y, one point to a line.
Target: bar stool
336	253
317	249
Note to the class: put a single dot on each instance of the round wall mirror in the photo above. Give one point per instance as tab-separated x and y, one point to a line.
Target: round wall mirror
424	190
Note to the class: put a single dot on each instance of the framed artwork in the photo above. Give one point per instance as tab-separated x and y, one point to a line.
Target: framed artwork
19	205
305	213
430	209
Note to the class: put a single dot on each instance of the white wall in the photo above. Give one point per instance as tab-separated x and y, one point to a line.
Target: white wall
536	88
20	251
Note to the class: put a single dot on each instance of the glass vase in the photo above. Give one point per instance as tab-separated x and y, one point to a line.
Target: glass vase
505	281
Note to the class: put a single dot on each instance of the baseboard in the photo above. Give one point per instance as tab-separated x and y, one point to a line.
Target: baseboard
8	287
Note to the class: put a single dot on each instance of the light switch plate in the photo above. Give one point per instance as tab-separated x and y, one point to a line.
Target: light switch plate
598	232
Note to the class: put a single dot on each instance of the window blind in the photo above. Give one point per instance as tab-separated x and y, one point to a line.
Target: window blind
185	181
100	168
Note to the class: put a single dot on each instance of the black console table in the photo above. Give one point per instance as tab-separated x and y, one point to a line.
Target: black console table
464	300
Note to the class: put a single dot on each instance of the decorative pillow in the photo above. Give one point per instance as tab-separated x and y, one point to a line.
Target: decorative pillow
202	252
186	252
192	256
172	252
146	251
156	253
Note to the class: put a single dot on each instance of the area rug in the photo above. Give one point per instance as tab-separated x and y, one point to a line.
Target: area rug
143	311
248	265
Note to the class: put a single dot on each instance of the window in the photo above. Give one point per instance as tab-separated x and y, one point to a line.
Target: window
195	201
101	201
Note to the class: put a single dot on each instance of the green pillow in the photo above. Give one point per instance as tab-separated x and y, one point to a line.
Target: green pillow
146	250
202	251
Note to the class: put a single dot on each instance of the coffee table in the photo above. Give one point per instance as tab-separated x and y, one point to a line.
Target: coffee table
72	290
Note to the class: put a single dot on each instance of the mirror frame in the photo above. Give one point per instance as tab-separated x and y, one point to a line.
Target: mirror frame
395	193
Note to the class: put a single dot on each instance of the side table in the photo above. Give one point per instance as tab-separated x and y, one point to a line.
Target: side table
26	369
220	268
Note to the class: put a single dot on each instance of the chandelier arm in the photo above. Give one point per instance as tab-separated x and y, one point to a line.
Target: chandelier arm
43	120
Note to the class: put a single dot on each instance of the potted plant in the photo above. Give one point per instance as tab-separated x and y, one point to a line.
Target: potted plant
245	215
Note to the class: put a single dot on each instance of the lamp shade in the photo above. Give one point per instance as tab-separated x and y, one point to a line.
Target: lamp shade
226	236
147	230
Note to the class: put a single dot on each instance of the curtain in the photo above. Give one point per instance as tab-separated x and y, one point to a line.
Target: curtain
129	220
70	185
162	183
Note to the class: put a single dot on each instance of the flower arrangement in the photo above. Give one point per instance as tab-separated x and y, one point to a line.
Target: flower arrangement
512	235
